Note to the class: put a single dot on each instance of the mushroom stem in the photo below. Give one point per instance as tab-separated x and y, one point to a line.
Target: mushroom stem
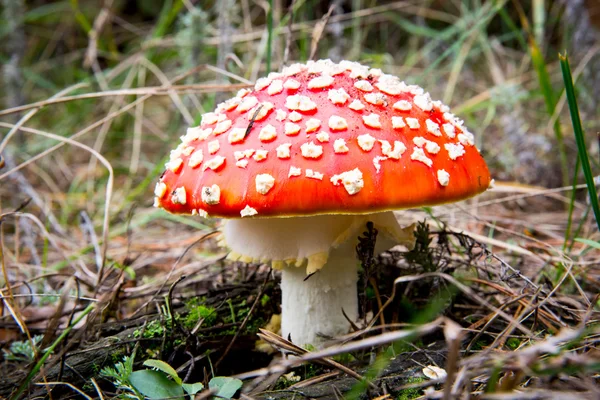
312	305
318	257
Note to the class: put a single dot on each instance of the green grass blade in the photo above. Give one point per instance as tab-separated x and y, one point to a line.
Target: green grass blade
579	136
269	36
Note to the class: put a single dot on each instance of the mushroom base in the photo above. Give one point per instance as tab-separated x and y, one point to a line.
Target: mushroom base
311	307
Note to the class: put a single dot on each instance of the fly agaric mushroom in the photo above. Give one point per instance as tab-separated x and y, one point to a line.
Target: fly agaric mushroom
301	163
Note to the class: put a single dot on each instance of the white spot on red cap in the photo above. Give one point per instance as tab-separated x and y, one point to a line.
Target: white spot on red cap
291	84
356	105
312	125
174	165
211	195
339	146
337	123
242	163
309	173
275	87
311	150
213	146
423	101
443	177
466	138
214	163
320	82
372	121
294	171
322	137
412	123
283	150
232	103
377	162
352	180
160	189
243	92
188	150
295	116
366	142
402	105
260	111
433	128
248	211
179	196
236	135
299	102
363	85
391	85
195	133
394	153
431	147
247	104
222	127
293	69
280	115
454	150
378	99
338	96
196	158
262	83
449	130
209	118
291	129
419	141
398	123
260	155
264	183
419	155
267	133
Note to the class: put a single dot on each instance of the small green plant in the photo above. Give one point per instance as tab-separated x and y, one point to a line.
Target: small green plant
422	254
23	350
162	381
119	376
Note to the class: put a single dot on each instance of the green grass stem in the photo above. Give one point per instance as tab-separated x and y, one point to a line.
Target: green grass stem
269	36
579	135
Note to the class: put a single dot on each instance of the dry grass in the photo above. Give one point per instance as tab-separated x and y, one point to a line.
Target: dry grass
506	301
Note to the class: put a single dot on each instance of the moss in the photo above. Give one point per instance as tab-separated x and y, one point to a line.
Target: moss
411	393
264	300
513	343
153	329
197	313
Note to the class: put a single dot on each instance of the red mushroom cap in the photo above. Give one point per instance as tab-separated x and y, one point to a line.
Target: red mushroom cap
323	138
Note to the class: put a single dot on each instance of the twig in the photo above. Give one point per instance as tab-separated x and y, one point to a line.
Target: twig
345	348
281	343
318	32
288	33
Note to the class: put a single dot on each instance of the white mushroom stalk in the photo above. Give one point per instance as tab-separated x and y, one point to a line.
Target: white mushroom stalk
320	269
